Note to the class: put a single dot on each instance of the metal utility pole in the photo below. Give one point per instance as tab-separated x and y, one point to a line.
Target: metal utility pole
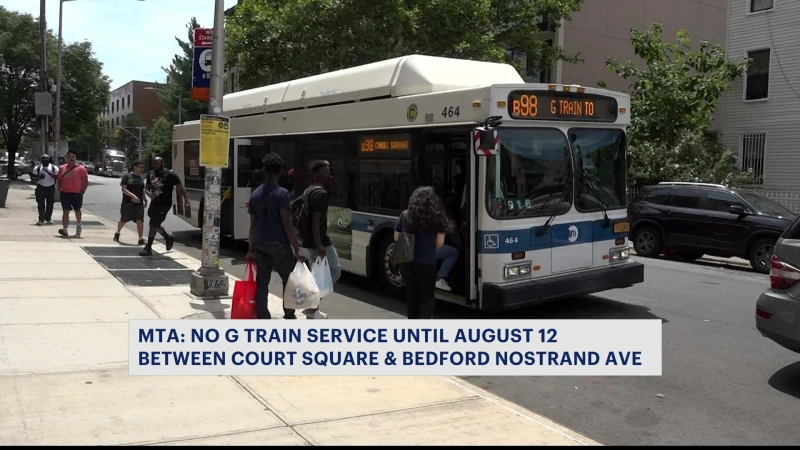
57	131
43	70
210	280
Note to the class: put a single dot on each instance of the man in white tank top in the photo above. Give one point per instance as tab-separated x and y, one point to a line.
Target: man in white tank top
46	174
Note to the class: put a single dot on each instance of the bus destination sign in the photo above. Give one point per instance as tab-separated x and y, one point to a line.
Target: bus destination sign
567	106
385	144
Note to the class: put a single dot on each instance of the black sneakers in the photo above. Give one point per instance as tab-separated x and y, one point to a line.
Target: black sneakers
170	242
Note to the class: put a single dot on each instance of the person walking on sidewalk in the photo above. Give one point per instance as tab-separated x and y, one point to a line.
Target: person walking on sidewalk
73	179
314	229
46	173
159	185
133	200
426	219
273	243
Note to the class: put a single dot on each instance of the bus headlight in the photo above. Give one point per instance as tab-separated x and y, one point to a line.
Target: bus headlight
620	254
520	270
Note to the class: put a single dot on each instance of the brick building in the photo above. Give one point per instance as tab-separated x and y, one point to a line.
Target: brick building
133	98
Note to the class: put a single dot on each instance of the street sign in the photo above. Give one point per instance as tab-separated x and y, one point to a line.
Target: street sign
201	66
214	140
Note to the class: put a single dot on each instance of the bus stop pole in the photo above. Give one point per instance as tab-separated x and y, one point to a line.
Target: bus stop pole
211	280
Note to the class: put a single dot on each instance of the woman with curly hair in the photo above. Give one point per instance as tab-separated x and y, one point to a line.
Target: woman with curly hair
426	219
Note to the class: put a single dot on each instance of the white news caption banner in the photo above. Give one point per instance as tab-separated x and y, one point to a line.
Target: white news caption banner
396	347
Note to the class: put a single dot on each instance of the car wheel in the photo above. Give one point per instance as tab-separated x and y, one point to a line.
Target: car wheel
761	255
690	256
647	242
18	172
389	273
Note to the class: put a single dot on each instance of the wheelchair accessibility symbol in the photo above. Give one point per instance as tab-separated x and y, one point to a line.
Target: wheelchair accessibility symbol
491	241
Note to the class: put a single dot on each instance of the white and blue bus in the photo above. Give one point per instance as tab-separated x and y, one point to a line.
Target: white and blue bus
534	174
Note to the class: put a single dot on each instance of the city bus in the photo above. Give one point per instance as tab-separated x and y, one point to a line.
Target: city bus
534	176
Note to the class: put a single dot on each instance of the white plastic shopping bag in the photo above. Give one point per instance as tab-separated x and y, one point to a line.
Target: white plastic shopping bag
301	289
322	276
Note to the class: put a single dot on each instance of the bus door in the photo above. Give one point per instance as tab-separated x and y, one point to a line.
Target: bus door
242	154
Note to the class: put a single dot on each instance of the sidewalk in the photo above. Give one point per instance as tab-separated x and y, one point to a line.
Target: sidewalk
64	375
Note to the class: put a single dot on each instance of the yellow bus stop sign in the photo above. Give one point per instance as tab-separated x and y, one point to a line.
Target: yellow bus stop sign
214	138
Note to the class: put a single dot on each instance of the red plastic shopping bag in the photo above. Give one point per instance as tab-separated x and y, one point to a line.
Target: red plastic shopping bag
243	305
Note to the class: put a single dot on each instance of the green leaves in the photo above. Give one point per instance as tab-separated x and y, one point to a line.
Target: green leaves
674	94
84	90
159	142
271	41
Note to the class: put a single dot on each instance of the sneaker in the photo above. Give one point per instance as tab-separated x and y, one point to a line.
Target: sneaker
142	241
442	284
170	242
40	222
78	229
315	315
62	232
49	222
146	252
116	237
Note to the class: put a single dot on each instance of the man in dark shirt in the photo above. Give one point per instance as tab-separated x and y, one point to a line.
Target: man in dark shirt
273	243
315	236
158	187
133	200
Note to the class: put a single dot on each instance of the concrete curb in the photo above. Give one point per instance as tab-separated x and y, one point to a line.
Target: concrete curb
736	262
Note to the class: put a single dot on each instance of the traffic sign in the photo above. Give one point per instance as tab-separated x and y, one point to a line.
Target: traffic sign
201	67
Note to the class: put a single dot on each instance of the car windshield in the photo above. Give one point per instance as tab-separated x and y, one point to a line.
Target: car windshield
765	206
529	175
601	155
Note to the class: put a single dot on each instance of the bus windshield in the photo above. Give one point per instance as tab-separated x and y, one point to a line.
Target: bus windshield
530	175
601	168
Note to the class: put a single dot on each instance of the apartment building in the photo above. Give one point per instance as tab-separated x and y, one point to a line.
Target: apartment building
760	113
602	29
134	97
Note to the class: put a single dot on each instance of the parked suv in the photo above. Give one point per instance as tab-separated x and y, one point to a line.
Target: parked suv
694	219
778	307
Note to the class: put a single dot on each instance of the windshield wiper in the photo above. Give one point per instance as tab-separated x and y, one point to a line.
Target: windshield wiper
587	180
565	190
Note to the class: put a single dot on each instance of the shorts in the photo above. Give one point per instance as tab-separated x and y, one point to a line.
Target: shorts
71	201
158	214
131	212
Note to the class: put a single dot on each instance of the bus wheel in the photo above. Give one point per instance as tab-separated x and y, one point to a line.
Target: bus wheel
390	273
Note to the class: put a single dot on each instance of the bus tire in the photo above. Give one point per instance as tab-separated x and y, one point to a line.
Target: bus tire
389	275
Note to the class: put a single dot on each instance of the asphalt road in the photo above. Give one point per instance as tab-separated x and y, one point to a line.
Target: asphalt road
722	384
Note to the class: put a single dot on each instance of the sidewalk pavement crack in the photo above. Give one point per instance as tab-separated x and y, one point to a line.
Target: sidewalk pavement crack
205	436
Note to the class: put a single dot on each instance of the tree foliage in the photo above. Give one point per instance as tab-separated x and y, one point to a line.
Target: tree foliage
159	142
180	73
277	40
84	87
674	92
90	141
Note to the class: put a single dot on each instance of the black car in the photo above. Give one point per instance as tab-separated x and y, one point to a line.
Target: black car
696	219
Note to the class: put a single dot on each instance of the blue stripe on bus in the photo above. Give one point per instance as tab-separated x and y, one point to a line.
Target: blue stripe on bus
519	240
523	240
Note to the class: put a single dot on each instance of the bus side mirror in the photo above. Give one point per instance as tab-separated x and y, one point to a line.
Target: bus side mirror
485	141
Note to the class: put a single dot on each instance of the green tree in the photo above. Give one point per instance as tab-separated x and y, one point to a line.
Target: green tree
159	142
277	40
90	141
84	87
180	73
674	92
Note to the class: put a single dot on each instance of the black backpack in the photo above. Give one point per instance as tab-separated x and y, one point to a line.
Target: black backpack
299	210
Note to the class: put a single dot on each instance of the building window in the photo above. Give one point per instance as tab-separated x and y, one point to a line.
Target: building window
761	5
117	104
757	76
112	107
129	100
751	156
